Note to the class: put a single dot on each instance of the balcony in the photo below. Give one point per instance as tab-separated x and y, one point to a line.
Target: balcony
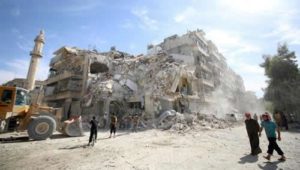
208	83
62	76
205	68
217	55
202	49
63	95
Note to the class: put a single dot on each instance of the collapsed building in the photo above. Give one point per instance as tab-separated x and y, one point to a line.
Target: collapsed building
67	80
183	73
216	88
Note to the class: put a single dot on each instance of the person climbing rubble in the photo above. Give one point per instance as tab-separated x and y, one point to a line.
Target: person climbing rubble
113	124
94	127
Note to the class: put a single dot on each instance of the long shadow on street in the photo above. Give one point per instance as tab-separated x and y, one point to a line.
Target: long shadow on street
75	147
269	165
248	159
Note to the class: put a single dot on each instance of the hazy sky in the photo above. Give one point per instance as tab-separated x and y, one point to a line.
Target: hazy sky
242	30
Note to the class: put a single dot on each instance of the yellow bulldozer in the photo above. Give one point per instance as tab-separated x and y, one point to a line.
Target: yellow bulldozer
17	113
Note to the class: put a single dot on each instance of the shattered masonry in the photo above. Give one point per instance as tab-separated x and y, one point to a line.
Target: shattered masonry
183	73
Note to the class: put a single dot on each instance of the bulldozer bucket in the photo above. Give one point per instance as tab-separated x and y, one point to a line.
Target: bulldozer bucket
73	127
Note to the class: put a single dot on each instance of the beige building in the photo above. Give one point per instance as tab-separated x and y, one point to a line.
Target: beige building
69	76
210	77
183	73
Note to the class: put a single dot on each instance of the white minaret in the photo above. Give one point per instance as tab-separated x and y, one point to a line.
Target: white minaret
36	54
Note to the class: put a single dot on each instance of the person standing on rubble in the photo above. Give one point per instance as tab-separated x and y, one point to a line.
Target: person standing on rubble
113	124
252	128
270	128
94	127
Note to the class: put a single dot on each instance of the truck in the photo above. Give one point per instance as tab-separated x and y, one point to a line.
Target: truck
18	113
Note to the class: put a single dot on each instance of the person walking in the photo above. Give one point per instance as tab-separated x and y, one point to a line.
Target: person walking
284	121
252	128
277	118
94	131
270	128
113	123
135	122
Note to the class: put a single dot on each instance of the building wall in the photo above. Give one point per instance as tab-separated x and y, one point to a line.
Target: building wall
68	78
211	70
187	68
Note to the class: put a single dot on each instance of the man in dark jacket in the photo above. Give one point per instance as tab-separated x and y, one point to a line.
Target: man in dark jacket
113	125
94	127
284	121
252	127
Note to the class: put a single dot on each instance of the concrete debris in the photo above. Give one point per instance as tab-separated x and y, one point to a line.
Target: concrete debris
174	121
177	78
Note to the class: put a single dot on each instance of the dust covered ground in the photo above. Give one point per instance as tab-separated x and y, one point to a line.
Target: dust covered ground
152	149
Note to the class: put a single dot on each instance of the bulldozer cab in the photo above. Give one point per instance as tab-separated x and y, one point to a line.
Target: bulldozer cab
16	112
14	101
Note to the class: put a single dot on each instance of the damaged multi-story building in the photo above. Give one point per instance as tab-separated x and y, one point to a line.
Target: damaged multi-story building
183	73
68	78
210	76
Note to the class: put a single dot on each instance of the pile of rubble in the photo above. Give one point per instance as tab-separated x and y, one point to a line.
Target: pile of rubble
183	122
132	77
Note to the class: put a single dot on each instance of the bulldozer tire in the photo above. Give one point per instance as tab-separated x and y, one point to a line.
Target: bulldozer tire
41	127
73	129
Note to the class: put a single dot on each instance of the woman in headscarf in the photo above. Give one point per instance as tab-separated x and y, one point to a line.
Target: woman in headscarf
252	128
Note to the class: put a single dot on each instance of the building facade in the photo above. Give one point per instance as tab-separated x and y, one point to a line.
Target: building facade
184	73
68	78
211	76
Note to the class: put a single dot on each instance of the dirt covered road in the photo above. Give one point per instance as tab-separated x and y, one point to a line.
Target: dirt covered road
153	149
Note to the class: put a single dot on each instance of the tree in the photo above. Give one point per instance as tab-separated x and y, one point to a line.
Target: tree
284	79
